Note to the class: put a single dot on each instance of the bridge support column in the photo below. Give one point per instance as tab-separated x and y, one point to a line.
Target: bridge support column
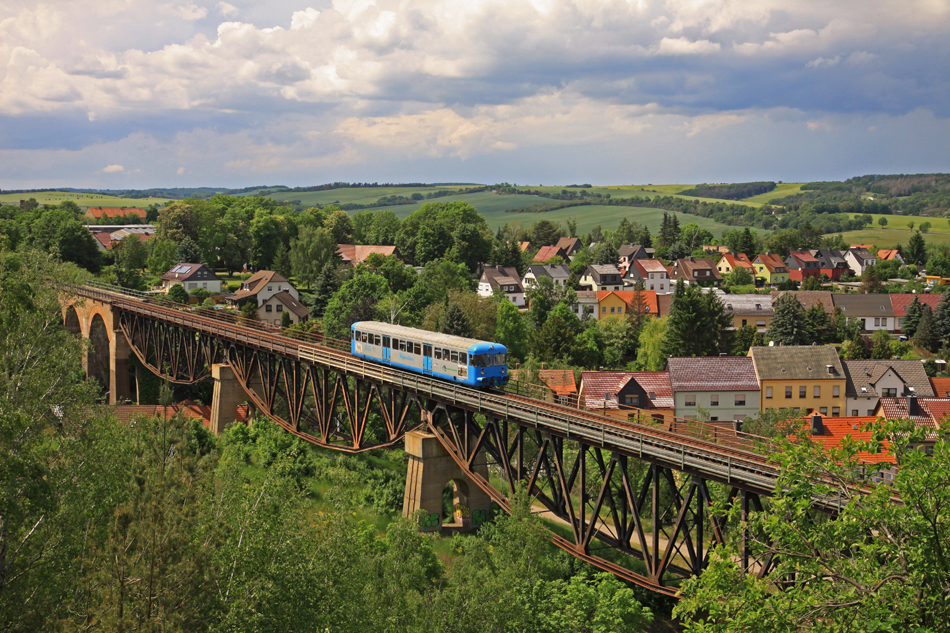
228	394
119	368
430	469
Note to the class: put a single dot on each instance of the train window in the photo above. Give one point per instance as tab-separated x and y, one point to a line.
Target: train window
427	351
376	340
418	348
385	341
499	360
479	361
353	334
463	358
402	346
445	354
396	343
454	357
438	353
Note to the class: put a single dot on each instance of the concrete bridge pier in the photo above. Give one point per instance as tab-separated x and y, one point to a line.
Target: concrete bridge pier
431	468
228	394
120	385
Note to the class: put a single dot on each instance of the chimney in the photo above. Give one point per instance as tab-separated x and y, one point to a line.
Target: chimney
544	365
912	405
941	365
817	428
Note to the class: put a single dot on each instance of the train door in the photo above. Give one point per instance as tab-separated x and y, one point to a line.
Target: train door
427	359
386	348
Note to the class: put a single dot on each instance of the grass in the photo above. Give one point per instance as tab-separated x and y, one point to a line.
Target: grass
353	195
890	238
84	200
780	191
899	222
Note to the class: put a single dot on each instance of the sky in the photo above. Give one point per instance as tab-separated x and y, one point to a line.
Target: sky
118	94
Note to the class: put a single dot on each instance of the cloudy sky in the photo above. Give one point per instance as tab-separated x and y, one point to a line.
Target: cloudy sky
135	93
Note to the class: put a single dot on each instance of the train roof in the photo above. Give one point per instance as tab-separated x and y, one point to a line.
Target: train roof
435	338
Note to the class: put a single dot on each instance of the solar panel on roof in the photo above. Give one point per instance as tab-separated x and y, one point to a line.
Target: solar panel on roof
175	269
185	269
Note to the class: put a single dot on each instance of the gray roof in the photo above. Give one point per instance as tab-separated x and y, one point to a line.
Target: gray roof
863	374
499	275
808	298
796	362
554	271
605	269
748	304
712	373
855	305
292	304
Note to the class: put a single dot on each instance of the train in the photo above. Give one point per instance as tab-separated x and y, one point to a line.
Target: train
466	361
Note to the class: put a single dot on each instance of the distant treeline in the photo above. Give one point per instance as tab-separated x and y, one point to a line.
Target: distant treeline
734	191
917	194
395	199
365	185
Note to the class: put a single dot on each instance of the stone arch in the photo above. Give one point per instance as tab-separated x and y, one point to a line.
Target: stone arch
97	365
71	320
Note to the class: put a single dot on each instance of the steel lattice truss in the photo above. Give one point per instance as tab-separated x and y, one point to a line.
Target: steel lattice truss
646	517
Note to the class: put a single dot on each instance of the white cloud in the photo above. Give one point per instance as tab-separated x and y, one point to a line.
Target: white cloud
180	171
191	12
225	9
818	62
113	169
683	46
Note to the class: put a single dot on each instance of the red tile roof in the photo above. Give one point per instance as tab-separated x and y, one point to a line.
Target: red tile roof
560	381
930	411
627	296
773	263
357	254
887	253
658	384
901	301
941	387
712	373
104	238
739	259
546	253
836	429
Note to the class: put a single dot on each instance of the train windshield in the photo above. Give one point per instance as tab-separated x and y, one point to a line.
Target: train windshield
499	360
482	360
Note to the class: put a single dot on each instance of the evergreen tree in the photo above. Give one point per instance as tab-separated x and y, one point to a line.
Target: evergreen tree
282	265
925	336
697	324
857	348
455	322
747	244
820	323
669	229
789	325
326	284
916	251
881	345
510	329
941	322
871	281
912	318
605	253
189	251
744	338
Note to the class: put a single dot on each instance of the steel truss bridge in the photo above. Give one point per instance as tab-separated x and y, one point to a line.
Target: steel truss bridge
627	493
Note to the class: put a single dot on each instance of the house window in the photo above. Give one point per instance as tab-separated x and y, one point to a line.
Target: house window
836	391
269	288
768	393
744	321
603	309
690	400
620	310
788	392
651	286
760	323
817	392
280	308
714	400
204	285
633	401
740	399
611	310
823	410
889	393
802	391
835	411
268	308
854	413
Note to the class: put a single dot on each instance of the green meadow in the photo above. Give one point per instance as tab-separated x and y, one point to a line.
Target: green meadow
780	191
84	200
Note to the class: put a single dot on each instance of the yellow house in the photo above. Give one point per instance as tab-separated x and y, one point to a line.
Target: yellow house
729	262
770	268
616	303
804	377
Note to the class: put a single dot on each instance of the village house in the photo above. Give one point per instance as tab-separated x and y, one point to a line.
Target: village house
557	273
354	254
900	302
890	254
770	269
724	387
630	252
859	260
808	377
602	277
191	276
871	380
654	275
622	395
502	279
728	263
749	309
97	214
263	285
831	263
570	245
873	311
273	308
802	265
699	271
617	303
547	253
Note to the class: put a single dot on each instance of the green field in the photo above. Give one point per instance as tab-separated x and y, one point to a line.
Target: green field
353	195
890	238
82	199
780	191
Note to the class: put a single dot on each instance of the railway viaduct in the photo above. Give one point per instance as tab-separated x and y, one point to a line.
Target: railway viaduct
638	501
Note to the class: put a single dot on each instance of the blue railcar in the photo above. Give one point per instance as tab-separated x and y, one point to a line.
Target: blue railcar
462	360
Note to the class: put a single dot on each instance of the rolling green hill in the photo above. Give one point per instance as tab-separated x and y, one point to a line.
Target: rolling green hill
84	200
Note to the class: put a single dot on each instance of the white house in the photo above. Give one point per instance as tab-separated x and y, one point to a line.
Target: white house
505	279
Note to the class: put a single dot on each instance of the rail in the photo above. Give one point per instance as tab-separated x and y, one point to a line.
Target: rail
730	465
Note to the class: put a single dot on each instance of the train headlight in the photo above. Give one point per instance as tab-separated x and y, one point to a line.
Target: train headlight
483	372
